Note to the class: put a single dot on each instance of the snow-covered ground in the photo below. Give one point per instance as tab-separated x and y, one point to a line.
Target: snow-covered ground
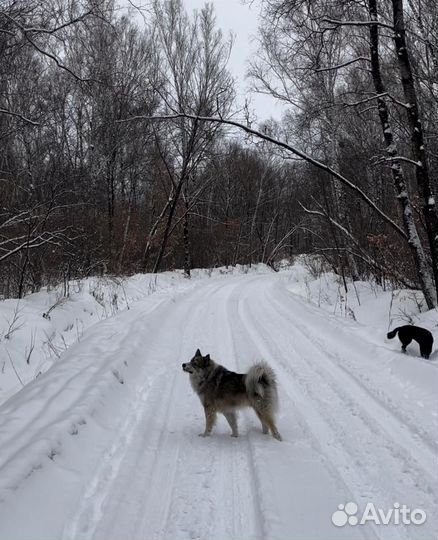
104	443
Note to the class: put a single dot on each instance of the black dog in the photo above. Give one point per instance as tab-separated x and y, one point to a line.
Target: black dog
409	332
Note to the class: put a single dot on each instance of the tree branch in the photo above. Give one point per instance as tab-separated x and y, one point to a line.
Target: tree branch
366	100
358	23
40	30
57	62
345	64
12	113
405	159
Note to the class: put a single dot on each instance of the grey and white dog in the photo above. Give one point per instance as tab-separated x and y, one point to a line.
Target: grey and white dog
224	391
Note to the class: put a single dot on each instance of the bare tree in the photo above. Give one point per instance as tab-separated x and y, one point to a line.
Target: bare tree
194	57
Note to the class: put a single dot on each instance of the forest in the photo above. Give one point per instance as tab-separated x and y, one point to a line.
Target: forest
124	149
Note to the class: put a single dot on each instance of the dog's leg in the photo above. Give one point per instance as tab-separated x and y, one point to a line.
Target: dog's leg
264	426
274	430
405	343
267	420
210	419
232	420
424	354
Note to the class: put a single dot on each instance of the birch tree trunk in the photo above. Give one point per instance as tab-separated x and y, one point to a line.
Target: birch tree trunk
419	154
423	268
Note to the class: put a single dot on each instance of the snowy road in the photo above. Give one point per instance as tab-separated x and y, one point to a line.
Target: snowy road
83	456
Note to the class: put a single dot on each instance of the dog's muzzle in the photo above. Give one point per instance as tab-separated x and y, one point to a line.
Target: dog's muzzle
186	367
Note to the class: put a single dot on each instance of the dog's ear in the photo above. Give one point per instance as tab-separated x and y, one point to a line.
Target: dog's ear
205	360
198	352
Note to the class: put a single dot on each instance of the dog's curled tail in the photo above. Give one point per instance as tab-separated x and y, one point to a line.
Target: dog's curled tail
261	384
393	333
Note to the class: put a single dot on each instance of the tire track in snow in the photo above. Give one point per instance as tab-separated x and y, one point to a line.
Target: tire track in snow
89	513
98	509
263	346
253	492
138	449
225	501
324	438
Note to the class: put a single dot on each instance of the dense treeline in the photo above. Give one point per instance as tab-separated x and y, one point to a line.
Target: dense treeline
85	188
